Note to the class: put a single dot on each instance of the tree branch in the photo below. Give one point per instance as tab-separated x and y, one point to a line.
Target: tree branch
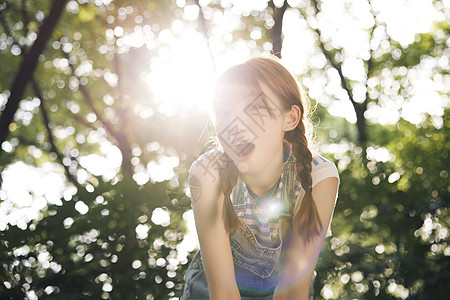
331	60
83	121
26	19
204	30
277	29
370	61
88	99
28	66
50	135
121	136
359	108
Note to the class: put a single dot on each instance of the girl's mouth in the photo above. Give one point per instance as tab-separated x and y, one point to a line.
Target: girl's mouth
244	151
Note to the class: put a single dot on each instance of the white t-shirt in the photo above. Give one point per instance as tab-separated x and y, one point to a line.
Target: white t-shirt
321	169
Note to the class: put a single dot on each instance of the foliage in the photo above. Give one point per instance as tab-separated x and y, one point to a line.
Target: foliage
391	239
112	246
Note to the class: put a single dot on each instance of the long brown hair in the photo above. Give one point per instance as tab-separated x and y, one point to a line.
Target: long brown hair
283	84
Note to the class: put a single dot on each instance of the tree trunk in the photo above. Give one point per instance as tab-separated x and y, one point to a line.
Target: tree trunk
276	31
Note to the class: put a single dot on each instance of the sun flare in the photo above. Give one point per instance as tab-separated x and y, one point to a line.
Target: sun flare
183	76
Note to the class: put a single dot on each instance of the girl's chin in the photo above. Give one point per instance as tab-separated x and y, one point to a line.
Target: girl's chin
243	167
248	167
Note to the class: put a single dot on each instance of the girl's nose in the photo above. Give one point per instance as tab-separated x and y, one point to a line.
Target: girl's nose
237	133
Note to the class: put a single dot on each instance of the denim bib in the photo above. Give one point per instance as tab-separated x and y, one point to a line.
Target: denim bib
257	268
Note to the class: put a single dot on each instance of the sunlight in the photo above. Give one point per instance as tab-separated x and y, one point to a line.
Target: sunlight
417	17
27	190
346	24
163	168
98	165
161	216
183	76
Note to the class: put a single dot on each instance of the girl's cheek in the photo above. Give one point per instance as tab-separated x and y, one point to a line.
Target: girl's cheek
225	122
221	128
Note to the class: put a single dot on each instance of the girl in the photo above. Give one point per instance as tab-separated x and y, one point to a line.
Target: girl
260	198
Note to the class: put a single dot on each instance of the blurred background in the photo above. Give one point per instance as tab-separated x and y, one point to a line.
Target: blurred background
103	105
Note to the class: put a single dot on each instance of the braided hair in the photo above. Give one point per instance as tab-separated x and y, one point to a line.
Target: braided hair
283	84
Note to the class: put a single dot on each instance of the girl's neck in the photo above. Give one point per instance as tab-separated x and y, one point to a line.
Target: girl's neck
261	182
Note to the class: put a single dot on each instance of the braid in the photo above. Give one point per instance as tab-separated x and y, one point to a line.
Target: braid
229	176
307	218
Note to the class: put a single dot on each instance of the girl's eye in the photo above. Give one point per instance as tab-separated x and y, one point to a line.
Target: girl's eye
224	113
220	118
258	107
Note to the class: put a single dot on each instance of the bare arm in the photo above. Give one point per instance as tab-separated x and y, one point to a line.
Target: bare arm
301	259
207	203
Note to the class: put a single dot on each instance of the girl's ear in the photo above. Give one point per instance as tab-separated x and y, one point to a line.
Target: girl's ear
291	118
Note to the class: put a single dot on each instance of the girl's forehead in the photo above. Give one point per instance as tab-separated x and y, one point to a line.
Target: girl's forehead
232	90
227	92
235	97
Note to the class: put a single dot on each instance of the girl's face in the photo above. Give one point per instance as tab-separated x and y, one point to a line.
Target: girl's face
249	124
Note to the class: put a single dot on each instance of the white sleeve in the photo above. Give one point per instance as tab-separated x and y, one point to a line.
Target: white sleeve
322	168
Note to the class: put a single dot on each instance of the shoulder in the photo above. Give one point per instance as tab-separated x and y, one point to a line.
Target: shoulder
204	181
208	165
322	168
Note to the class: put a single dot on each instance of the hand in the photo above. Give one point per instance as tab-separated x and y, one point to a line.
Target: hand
205	173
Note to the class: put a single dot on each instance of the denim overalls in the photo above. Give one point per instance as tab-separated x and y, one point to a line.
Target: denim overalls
257	268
